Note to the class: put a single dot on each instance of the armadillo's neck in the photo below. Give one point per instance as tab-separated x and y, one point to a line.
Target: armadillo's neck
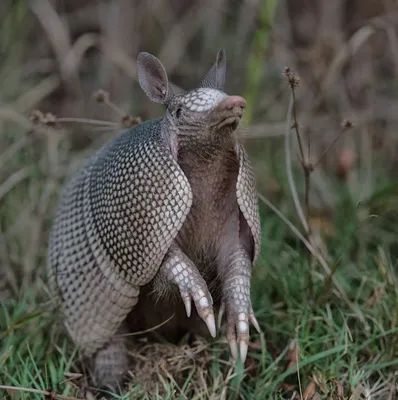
204	155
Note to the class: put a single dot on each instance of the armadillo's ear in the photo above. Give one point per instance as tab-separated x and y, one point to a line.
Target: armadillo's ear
215	78
152	78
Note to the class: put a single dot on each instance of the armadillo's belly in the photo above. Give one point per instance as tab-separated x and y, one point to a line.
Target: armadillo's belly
93	301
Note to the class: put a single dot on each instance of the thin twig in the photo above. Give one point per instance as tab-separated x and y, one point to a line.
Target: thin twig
295	123
153	328
306	164
43	392
89	121
344	126
305	218
102	96
289	169
307	186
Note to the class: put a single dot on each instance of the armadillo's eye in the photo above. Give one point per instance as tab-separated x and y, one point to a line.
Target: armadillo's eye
178	112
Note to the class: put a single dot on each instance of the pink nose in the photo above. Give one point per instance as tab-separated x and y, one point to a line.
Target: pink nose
234	101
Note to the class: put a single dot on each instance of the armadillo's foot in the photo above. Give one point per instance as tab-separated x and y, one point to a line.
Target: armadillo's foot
237	331
182	271
237	304
110	364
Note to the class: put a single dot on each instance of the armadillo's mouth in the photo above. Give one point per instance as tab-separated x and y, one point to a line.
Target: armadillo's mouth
230	121
229	112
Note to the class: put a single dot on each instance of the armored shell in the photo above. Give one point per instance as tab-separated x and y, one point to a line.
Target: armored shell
115	222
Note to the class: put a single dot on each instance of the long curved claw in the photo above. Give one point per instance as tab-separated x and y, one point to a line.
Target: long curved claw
202	299
242	329
233	345
237	329
211	324
205	310
253	320
231	336
180	270
203	303
187	302
243	346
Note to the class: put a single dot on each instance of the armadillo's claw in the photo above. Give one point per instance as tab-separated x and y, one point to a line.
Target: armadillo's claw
220	314
237	327
234	348
211	324
242	329
243	351
192	286
187	302
203	307
253	320
203	302
237	332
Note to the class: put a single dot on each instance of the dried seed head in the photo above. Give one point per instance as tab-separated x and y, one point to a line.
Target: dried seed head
287	71
36	117
101	96
293	80
39	118
346	124
128	121
50	119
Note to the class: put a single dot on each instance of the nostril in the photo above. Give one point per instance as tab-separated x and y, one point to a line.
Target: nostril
232	102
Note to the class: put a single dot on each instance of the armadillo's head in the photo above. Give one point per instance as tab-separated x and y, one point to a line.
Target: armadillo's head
205	114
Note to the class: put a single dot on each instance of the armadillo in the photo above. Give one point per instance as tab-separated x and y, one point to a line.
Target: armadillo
167	210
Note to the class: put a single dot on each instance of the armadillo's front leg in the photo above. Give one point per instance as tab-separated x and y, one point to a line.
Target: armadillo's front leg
236	301
179	269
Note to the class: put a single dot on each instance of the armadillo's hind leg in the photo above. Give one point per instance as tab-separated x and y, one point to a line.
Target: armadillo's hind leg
236	276
110	364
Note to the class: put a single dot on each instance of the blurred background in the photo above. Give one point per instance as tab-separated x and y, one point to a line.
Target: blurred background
55	54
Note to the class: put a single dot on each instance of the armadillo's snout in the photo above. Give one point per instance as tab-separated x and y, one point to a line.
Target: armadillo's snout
229	111
235	102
